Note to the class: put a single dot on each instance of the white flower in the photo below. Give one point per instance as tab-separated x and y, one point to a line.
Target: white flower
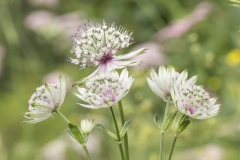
46	101
195	102
97	45
163	83
104	90
87	125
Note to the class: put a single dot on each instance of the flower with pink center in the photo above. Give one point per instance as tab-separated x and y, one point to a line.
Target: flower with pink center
46	100
104	90
195	102
163	83
97	45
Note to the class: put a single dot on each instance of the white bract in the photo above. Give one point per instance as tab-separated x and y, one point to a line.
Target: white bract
97	45
104	90
87	125
45	101
163	83
195	102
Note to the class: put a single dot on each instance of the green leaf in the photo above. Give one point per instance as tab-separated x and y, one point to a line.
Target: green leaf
182	126
108	132
125	128
157	120
169	120
77	134
182	118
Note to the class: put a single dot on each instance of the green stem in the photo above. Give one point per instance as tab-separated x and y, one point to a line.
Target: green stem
86	151
173	145
116	126
125	136
58	112
162	132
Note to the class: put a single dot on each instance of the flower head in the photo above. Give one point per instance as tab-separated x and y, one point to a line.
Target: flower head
97	45
195	102
163	83
87	125
45	101
104	90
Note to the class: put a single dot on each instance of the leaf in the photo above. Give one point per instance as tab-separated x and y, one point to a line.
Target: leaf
108	132
125	128
77	134
182	126
157	120
169	120
182	118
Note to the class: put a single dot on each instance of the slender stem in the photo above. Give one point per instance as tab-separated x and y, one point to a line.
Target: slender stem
161	145
58	112
86	151
125	136
173	145
116	126
162	132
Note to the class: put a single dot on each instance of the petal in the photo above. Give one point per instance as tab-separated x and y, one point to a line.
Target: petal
131	54
89	106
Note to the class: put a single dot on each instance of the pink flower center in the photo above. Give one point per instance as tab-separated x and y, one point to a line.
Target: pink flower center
109	97
106	58
190	109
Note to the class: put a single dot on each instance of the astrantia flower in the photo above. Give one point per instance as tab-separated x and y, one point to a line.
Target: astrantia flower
104	90
195	102
163	83
45	101
87	125
97	45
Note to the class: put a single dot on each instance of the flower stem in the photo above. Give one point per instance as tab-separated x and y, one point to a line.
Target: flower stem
116	126
58	112
86	151
162	132
173	145
125	136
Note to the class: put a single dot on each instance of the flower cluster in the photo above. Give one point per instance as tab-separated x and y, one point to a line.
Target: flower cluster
190	99
104	90
46	100
97	45
195	102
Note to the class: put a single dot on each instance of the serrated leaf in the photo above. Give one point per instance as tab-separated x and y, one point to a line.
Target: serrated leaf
182	118
182	126
157	120
77	134
125	128
169	120
108	132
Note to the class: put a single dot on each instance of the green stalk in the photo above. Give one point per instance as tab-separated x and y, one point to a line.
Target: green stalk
58	112
116	126
125	136
86	151
162	132
173	145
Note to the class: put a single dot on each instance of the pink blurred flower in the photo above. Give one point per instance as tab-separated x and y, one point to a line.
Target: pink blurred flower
47	3
180	27
53	77
49	25
153	57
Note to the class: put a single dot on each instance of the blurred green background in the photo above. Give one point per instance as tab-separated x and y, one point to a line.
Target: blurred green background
201	36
